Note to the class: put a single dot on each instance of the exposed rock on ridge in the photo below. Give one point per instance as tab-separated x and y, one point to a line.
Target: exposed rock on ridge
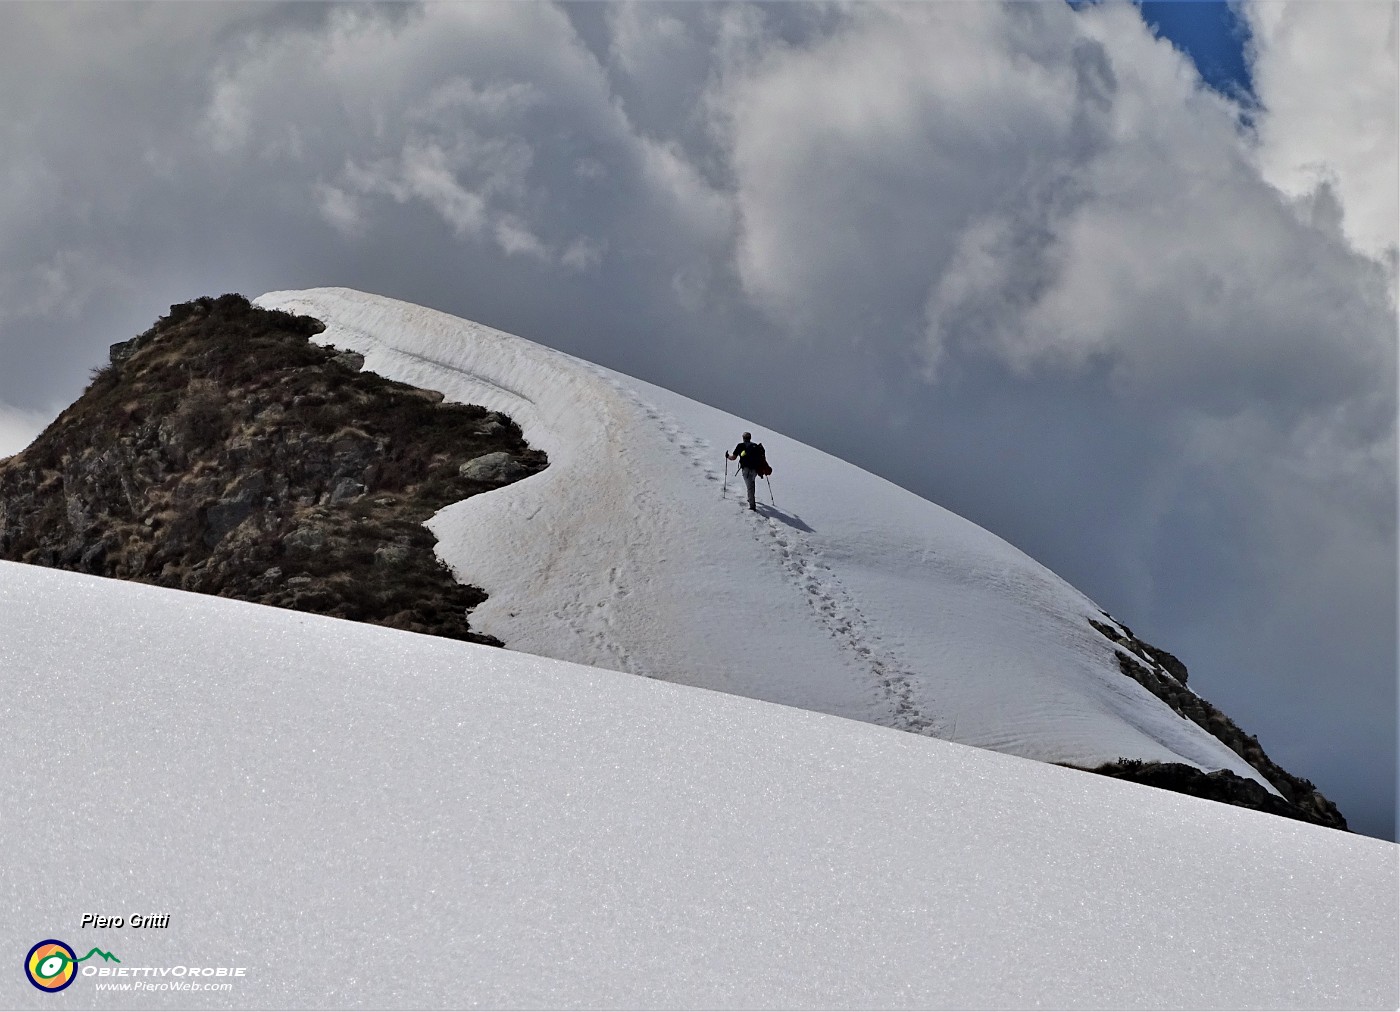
223	452
1164	676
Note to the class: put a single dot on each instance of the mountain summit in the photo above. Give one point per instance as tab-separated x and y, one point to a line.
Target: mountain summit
224	452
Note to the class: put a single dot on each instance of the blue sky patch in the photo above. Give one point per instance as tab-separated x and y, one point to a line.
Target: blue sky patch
1212	34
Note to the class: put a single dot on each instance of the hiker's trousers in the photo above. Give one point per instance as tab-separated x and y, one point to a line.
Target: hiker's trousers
749	478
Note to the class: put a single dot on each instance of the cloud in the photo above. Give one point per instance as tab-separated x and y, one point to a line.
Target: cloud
1070	197
497	120
342	210
857	159
18	427
1337	138
1043	185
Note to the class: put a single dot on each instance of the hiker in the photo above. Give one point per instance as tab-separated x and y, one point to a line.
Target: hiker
753	462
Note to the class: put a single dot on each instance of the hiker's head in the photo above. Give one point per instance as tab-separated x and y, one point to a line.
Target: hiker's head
748	435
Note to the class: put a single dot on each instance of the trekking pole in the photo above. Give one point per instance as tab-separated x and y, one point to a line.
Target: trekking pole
771	502
725	490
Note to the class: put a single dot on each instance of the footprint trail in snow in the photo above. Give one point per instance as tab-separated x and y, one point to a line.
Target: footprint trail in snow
892	680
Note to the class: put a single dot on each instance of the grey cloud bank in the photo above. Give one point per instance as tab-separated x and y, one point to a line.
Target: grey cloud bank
1015	258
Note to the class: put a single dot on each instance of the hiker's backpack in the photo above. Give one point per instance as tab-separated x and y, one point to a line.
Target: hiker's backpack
756	460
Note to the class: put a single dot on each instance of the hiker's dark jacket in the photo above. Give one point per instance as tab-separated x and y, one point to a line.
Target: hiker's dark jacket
745	447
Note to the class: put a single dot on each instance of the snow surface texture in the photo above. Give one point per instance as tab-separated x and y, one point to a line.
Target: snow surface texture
851	596
363	817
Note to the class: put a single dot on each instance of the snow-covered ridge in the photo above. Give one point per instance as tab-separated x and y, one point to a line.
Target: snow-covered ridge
362	817
849	596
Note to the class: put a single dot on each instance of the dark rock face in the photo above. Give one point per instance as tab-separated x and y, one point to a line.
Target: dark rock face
223	452
1165	677
1221	785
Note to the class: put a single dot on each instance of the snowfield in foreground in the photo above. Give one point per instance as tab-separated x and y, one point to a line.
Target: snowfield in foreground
369	818
851	596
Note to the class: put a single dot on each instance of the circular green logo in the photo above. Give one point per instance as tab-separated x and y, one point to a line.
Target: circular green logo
50	965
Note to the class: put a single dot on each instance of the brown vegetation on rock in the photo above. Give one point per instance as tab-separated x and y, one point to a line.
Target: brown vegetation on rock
223	452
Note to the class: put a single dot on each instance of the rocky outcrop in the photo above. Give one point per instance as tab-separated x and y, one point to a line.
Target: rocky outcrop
1219	785
493	467
1165	677
222	452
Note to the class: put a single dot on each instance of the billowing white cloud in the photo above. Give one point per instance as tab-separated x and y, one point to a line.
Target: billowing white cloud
1326	78
496	119
1048	186
1054	190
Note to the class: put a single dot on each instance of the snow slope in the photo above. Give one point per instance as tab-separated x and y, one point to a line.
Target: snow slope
851	596
361	817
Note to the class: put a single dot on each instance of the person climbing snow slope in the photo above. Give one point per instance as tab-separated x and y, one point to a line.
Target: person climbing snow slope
753	463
